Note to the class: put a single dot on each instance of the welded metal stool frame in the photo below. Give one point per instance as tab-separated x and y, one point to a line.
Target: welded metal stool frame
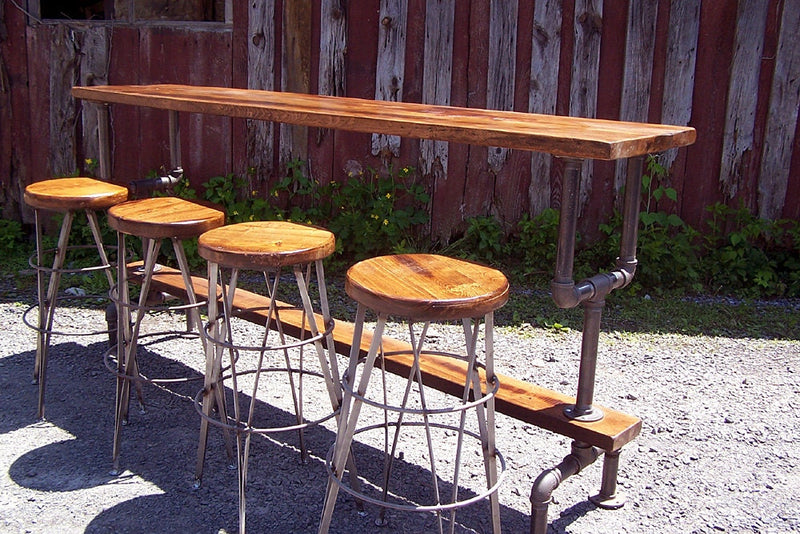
220	343
477	393
131	314
48	278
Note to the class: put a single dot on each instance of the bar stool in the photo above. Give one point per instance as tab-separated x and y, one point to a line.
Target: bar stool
422	288
68	196
267	247
153	220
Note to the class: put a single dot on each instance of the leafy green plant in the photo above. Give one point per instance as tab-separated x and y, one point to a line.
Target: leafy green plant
538	238
377	211
749	255
483	240
11	236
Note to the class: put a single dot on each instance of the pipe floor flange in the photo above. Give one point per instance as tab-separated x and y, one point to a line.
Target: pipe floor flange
613	502
585	416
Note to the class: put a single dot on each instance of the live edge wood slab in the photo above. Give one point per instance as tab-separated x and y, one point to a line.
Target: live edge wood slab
524	401
571	137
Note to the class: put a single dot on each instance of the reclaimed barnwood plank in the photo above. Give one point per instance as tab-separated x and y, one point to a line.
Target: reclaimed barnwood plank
588	25
738	135
93	71
502	67
295	75
639	46
784	104
261	76
545	53
390	68
679	68
574	137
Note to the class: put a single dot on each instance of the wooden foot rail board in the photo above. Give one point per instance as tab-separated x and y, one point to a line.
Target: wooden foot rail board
521	400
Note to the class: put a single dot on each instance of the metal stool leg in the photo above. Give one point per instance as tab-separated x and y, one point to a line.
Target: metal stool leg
213	393
126	348
348	415
486	421
47	301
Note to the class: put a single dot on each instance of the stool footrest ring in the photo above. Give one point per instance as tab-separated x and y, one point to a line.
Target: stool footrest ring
239	429
490	393
417	508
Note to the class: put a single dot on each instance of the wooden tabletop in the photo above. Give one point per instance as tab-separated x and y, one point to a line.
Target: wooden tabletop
558	135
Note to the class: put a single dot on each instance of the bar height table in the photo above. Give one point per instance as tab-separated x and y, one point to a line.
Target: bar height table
572	138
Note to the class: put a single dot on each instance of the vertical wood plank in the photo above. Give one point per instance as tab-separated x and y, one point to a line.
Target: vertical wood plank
295	73
437	77
545	53
502	66
742	93
783	110
639	47
15	110
477	196
714	57
436	80
64	67
679	69
93	71
447	200
332	47
261	75
125	121
583	86
331	80
390	68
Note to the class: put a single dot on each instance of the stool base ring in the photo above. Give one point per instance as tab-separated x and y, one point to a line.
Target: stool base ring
111	364
490	393
239	429
41	330
417	508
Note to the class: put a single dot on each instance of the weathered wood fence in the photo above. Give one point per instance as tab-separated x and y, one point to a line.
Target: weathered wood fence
730	69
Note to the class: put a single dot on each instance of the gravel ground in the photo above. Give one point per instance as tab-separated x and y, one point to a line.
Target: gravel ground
718	451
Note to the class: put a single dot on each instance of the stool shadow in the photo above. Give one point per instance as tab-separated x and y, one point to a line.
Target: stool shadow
160	447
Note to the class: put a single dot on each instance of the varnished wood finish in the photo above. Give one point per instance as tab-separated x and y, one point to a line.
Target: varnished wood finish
426	286
562	136
165	217
263	245
71	194
524	401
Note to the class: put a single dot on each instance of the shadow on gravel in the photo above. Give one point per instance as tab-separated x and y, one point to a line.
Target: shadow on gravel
159	452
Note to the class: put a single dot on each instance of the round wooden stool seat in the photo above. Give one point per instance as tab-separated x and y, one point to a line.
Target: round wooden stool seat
426	287
421	288
165	217
264	245
73	194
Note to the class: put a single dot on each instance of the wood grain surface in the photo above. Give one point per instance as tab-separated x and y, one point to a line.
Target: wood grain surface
562	136
266	244
165	217
69	194
426	286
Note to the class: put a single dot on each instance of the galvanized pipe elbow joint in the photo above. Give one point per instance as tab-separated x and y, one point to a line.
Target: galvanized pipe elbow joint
547	482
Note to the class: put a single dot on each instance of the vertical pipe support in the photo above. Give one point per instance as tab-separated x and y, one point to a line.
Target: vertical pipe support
563	285
104	147
174	139
626	262
608	498
583	410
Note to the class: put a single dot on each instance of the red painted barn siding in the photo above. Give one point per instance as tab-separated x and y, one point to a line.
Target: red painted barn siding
214	145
